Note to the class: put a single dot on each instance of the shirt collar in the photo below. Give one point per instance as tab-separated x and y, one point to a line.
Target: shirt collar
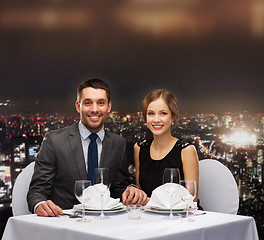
85	133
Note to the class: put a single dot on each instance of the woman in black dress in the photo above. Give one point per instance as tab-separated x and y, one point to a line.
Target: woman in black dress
152	156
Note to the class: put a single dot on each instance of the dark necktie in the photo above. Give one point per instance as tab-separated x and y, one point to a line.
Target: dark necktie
92	156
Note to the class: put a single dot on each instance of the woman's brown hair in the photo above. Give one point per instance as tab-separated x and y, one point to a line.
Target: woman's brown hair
166	95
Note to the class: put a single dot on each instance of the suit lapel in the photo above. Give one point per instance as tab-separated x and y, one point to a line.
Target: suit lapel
106	151
77	151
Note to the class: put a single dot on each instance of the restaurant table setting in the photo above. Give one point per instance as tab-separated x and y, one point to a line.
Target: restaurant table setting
133	222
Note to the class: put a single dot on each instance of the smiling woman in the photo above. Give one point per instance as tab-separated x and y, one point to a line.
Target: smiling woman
152	156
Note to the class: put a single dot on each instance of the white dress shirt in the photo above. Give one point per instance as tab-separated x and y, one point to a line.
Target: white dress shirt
85	133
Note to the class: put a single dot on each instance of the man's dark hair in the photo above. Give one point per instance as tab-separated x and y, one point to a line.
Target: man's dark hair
94	83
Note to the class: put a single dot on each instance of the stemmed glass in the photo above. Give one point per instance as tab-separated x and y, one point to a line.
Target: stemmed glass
171	175
79	188
101	184
190	185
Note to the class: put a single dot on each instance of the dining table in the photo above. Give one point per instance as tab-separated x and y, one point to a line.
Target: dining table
151	225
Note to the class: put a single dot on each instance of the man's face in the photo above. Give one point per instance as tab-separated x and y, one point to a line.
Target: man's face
93	107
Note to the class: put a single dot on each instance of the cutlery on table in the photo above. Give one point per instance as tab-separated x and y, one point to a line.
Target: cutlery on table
72	215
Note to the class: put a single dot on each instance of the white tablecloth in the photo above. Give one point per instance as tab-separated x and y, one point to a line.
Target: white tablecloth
211	226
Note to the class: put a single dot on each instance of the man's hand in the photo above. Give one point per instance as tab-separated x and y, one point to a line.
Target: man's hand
135	196
48	209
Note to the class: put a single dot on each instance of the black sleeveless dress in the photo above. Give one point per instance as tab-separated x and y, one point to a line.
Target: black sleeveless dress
151	171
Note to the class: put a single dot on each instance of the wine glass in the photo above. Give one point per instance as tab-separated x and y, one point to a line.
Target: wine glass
171	175
101	184
79	189
190	185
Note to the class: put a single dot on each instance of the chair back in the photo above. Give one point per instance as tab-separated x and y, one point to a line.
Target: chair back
20	190
218	190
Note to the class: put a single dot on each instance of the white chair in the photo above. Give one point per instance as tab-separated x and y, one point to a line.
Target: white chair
218	190
20	190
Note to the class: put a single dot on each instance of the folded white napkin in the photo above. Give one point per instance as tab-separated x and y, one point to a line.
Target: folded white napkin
161	197
94	194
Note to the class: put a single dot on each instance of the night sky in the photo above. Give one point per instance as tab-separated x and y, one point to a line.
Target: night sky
211	59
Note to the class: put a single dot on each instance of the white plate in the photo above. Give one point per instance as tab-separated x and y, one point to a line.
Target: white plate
162	210
118	208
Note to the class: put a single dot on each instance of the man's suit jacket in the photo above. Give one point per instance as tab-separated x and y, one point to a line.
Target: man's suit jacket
60	162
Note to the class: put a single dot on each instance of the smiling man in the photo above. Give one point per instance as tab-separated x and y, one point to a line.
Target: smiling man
93	104
66	155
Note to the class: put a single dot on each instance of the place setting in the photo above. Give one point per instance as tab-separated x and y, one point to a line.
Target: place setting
174	198
95	198
170	198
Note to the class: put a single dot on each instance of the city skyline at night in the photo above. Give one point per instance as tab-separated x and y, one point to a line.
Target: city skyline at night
213	135
209	54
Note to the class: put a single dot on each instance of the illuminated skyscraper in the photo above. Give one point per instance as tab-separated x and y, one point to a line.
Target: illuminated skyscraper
260	154
23	151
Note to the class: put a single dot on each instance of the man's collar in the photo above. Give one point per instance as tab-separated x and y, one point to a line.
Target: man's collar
85	133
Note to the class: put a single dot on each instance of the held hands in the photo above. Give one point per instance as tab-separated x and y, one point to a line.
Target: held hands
48	209
135	196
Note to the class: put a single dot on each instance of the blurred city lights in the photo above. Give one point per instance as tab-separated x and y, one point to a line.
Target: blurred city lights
240	138
157	17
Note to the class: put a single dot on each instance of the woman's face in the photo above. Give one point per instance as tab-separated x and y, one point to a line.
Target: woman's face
159	117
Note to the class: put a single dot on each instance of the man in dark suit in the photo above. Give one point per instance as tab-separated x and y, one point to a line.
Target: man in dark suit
62	158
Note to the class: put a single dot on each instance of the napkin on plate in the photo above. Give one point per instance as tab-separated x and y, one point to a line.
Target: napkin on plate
161	197
94	195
